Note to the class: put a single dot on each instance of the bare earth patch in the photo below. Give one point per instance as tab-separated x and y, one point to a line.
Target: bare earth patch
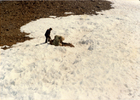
14	14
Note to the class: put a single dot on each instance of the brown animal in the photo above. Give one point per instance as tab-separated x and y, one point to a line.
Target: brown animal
67	44
58	41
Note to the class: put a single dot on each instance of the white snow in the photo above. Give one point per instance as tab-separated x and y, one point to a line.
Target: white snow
103	65
52	16
67	13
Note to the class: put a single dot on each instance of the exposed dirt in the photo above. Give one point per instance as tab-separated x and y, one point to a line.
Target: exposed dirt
14	14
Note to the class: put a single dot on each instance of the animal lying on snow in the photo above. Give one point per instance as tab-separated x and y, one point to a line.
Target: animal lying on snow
58	41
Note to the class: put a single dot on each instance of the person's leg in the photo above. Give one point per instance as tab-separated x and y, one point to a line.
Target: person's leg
49	38
46	40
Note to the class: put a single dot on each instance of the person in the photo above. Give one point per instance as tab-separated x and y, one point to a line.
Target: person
47	35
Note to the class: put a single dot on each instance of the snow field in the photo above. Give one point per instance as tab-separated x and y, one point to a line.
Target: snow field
103	65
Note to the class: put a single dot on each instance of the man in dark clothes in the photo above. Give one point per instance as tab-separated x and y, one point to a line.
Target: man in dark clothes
47	35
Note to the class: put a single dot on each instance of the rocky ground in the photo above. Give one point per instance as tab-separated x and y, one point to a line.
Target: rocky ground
14	14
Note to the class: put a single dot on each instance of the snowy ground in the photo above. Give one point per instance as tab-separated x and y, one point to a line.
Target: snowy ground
104	65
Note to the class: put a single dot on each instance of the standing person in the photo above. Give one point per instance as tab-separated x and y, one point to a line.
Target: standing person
47	35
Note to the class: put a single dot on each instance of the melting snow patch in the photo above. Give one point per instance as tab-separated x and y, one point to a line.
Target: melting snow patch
68	13
52	16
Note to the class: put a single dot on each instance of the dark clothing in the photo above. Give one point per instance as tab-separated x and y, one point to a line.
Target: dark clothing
47	38
47	35
48	32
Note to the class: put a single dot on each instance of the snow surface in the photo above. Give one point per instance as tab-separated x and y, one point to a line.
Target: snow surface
103	65
67	13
